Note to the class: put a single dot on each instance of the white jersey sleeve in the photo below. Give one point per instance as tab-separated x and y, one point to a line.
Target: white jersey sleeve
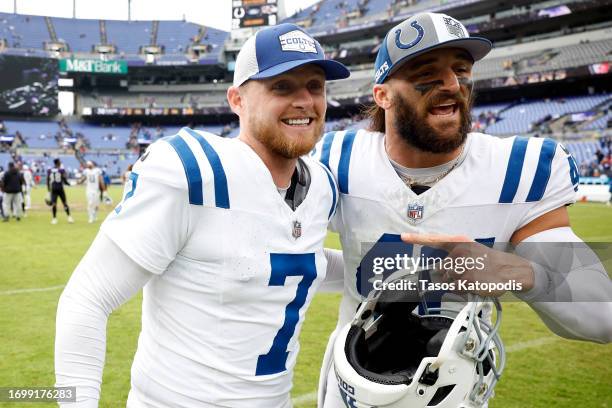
557	172
151	224
27	176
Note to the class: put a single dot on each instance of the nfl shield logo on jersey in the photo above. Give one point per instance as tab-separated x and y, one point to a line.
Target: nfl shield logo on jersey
297	229
415	212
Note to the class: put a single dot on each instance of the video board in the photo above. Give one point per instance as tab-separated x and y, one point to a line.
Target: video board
28	85
254	13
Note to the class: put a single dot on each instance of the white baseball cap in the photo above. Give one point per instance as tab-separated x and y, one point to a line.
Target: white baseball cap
421	33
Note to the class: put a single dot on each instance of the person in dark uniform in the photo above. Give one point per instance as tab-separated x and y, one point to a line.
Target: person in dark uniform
12	182
56	178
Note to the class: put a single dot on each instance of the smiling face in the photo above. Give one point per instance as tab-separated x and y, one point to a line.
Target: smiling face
285	113
428	100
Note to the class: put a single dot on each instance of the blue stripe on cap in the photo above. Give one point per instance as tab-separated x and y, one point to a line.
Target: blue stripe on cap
513	172
383	63
221	192
345	161
332	184
192	170
540	180
328	139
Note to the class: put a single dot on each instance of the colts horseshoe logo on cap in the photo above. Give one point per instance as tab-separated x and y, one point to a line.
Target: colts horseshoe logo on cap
420	33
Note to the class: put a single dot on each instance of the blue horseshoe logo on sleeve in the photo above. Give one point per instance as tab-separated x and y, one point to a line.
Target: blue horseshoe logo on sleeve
420	33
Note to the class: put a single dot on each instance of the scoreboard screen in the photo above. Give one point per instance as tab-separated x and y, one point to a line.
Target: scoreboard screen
254	13
28	85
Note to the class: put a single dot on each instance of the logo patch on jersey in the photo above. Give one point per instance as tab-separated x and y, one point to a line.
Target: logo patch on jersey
454	27
298	41
297	229
415	212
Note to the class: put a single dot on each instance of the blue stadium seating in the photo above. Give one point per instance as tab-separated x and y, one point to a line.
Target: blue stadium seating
114	164
376	6
70	163
583	151
600	123
36	134
5	158
22	31
80	35
495	108
114	137
519	118
175	36
128	36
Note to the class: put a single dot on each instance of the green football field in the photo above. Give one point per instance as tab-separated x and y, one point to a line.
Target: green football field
36	260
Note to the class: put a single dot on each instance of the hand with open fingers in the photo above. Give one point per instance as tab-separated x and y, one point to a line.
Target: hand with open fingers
476	268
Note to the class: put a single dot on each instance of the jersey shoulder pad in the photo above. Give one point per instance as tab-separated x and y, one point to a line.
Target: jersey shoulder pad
162	164
340	151
536	169
201	165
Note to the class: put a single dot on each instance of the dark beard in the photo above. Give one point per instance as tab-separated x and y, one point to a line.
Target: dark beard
417	133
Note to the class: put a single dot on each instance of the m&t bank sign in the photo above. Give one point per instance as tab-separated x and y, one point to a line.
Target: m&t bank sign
92	66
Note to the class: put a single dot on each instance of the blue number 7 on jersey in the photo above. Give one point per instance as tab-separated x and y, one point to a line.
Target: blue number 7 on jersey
283	265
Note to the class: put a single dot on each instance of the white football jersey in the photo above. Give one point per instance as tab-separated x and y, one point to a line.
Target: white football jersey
501	185
28	178
235	269
92	179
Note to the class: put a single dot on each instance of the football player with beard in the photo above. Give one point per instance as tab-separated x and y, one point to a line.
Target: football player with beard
418	171
226	237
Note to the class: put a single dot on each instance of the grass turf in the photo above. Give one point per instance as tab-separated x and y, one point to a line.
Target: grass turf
543	370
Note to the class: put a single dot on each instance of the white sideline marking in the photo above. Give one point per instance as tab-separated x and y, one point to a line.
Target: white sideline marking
19	291
312	396
305	398
540	341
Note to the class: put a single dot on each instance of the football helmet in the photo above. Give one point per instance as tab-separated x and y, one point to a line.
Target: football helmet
389	356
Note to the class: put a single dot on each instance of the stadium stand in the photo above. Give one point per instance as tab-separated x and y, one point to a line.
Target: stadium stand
583	152
128	36
39	135
519	118
176	36
602	122
80	35
5	158
23	31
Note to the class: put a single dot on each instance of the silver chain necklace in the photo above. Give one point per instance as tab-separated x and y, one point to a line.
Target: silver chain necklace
411	182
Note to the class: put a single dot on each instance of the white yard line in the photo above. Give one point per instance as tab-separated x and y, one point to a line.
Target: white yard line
305	398
31	290
540	341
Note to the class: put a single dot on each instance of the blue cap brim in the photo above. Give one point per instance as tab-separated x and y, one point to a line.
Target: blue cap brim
333	69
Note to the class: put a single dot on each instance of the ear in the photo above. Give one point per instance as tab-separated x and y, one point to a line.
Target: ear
382	95
234	99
